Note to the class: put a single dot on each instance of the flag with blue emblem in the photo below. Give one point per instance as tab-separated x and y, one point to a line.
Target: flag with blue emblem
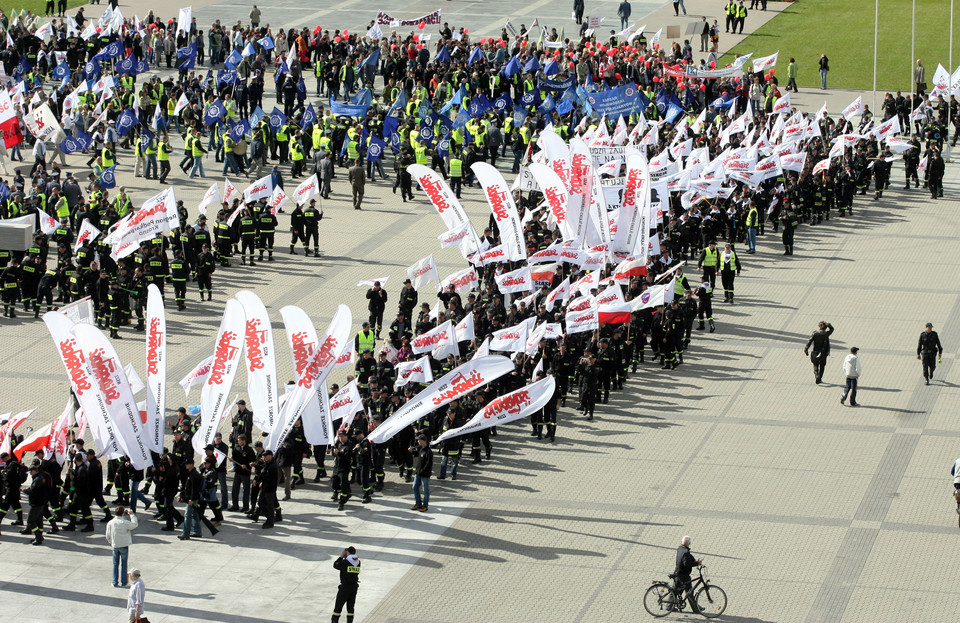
281	70
443	55
503	103
127	66
83	139
375	149
22	68
266	43
233	60
309	117
226	77
462	118
530	98
551	68
426	132
111	51
107	178
479	105
146	134
127	122
531	66
398	104
249	50
277	119
443	145
61	71
363	98
214	112
239	130
69	145
142	66
256	116
564	107
519	115
187	57
390	125
301	89
548	104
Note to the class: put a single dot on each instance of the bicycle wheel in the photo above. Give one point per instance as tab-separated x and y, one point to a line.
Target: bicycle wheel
711	601
658	600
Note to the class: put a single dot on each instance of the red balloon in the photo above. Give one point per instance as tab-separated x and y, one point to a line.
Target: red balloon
703	87
421	25
603	48
591	53
656	79
466	32
523	44
346	33
773	71
611	53
336	39
419	46
416	38
713	64
617	76
572	65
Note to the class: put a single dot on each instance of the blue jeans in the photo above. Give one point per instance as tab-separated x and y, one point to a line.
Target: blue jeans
851	390
120	565
425	482
191	525
135	495
197	166
454	460
823	78
751	238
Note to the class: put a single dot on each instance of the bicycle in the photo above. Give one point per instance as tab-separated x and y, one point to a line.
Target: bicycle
662	598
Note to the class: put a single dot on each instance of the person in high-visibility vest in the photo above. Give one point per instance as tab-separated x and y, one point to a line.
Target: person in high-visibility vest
709	260
366	340
296	154
729	268
163	156
107	157
456	173
741	16
753	222
197	151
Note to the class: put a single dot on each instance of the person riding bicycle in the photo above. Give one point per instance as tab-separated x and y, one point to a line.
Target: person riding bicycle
681	575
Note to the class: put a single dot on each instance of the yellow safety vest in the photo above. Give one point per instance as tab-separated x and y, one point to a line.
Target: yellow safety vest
366	342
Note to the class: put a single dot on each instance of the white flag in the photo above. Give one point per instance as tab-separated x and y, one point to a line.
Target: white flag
519	280
303	342
465	330
211	197
430	340
423	272
345	403
765	62
504	209
198	375
854	108
226	362
277	199
417	371
263	187
307	189
583	321
261	361
183	20
156	369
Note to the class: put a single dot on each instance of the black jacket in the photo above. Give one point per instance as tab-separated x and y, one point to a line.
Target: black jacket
820	340
929	343
685	563
425	468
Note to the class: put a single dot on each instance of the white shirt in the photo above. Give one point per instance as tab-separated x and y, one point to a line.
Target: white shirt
135	598
851	366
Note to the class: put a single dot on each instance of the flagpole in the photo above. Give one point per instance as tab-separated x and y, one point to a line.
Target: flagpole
876	24
913	55
949	157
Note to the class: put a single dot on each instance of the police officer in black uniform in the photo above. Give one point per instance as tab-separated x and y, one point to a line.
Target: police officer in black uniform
928	351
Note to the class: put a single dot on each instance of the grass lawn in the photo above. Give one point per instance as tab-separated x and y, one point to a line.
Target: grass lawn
39	6
843	30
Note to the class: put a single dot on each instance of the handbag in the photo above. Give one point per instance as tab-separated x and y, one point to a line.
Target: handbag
923	86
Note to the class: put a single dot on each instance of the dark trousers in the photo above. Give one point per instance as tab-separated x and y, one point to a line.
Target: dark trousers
268	505
850	390
241	480
929	361
819	365
346	595
170	511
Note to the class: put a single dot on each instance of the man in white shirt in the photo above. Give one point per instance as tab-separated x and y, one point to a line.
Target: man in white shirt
135	598
118	535
851	370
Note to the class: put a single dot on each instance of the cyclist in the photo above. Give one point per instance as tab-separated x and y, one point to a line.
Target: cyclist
681	575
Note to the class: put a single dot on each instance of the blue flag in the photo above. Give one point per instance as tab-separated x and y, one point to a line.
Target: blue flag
127	66
530	98
673	111
256	116
277	119
443	146
127	122
239	130
390	125
69	145
511	68
475	56
455	100
375	149
61	71
111	51
373	59
233	60
551	68
187	57
4	191
347	110
147	134
301	89
363	98
426	132
281	70
519	115
479	105
395	142
564	107
83	139
589	84
503	103
107	177
309	116
214	112
22	68
462	117
91	70
443	55
142	66
226	77
249	50
548	104
266	43
343	147
531	66
398	104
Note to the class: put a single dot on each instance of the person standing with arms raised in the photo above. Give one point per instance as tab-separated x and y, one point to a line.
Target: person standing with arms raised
820	341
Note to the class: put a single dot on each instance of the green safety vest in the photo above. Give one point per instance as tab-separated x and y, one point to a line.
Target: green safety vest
366	342
456	167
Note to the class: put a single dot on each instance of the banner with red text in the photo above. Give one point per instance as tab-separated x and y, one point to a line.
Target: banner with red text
302	340
261	361
504	210
156	369
226	361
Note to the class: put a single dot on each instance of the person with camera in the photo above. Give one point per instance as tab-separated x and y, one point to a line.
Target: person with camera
348	564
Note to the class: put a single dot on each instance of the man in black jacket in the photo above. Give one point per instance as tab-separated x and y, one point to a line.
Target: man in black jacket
268	489
191	493
681	574
928	351
378	302
348	564
820	340
424	471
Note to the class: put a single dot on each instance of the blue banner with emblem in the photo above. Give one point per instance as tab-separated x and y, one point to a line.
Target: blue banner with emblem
347	110
620	101
375	149
545	84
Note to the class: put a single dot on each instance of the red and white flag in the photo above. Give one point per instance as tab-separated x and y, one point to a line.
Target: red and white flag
345	403
782	105
454	237
307	189
465	330
519	280
582	321
765	62
370	282
512	339
544	272
555	193
504	210
453	385
614	313
9	124
560	293
654	296
628	269
226	362
550	254
507	408
461	281
229	191
261	361
417	371
302	340
347	358
260	189
446	204
315	373
426	342
48	224
87	232
793	162
612	295
853	109
156	369
210	198
198	375
8	428
277	199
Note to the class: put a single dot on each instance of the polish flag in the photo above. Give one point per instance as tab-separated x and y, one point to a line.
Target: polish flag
629	269
543	272
614	313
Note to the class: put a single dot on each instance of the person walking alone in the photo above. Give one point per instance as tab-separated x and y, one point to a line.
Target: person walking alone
851	370
929	350
136	596
348	564
820	340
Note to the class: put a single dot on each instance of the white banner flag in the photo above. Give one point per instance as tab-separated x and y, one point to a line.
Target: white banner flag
315	373
465	330
446	204
158	215
261	361
507	408
430	340
198	375
461	281
263	187
854	108
511	340
211	197
277	199
423	272
302	340
504	209
114	388
765	62
417	371
453	385
345	403
229	191
184	20
560	293
307	189
582	321
226	362
519	280
555	194
87	232
156	369
454	237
